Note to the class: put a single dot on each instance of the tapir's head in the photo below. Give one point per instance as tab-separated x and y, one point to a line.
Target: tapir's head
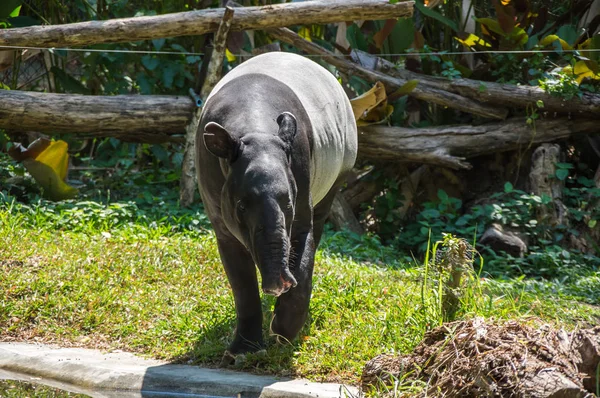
259	196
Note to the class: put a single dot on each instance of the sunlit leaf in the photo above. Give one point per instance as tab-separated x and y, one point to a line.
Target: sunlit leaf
305	33
8	7
362	104
472	40
230	56
519	36
548	40
586	69
15	12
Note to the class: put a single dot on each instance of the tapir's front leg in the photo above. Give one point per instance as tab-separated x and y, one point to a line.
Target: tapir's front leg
291	308
241	273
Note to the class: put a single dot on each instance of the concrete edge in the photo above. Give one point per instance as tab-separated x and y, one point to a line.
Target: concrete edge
118	371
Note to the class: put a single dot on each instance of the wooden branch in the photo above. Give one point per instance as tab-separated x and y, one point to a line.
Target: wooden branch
449	145
201	22
342	217
137	118
188	184
429	94
506	95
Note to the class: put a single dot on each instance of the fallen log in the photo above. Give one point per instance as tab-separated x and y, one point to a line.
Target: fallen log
201	22
449	146
136	118
429	94
156	119
506	95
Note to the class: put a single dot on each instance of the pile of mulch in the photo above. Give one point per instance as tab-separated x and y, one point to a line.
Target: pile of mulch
478	359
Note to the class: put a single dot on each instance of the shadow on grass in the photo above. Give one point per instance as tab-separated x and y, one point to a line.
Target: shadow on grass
198	370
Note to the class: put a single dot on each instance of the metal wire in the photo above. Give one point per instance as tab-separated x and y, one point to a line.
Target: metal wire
97	50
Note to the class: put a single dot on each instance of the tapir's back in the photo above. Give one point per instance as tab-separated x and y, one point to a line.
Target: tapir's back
330	112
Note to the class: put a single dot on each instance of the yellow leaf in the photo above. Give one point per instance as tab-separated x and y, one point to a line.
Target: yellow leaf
473	40
304	32
505	2
49	169
364	103
584	69
376	115
406	89
548	40
230	56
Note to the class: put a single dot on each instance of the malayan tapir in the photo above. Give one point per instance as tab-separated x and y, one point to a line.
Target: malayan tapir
276	138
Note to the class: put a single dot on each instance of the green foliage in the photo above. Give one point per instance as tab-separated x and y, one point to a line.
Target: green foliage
561	84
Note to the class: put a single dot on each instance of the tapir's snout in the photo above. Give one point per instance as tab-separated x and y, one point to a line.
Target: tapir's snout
277	285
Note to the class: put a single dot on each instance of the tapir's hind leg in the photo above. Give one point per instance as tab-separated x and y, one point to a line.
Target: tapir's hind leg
291	308
241	273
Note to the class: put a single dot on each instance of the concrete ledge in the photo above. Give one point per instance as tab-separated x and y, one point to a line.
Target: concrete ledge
98	372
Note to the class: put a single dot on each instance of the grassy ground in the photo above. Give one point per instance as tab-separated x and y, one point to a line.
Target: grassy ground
102	276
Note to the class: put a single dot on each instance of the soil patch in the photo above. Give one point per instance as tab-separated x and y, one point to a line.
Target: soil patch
478	359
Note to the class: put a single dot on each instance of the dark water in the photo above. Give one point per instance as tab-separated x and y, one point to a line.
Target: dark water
23	389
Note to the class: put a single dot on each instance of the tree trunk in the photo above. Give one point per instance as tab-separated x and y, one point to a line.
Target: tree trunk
187	187
505	95
201	22
342	217
449	145
429	94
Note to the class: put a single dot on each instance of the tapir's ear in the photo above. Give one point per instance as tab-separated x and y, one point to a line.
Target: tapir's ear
220	142
287	129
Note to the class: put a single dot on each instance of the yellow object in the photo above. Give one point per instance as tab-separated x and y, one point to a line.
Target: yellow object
230	56
362	104
49	169
546	41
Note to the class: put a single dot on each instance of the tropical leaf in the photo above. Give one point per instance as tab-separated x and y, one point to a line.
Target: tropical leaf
506	17
305	33
8	8
384	32
472	40
586	69
550	39
436	15
356	38
406	89
376	115
362	104
490	25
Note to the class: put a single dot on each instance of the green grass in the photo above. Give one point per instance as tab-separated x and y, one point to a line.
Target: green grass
142	283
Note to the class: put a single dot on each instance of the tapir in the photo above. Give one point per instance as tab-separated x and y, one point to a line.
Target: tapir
276	138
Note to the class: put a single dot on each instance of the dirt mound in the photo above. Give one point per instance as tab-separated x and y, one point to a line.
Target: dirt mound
477	359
